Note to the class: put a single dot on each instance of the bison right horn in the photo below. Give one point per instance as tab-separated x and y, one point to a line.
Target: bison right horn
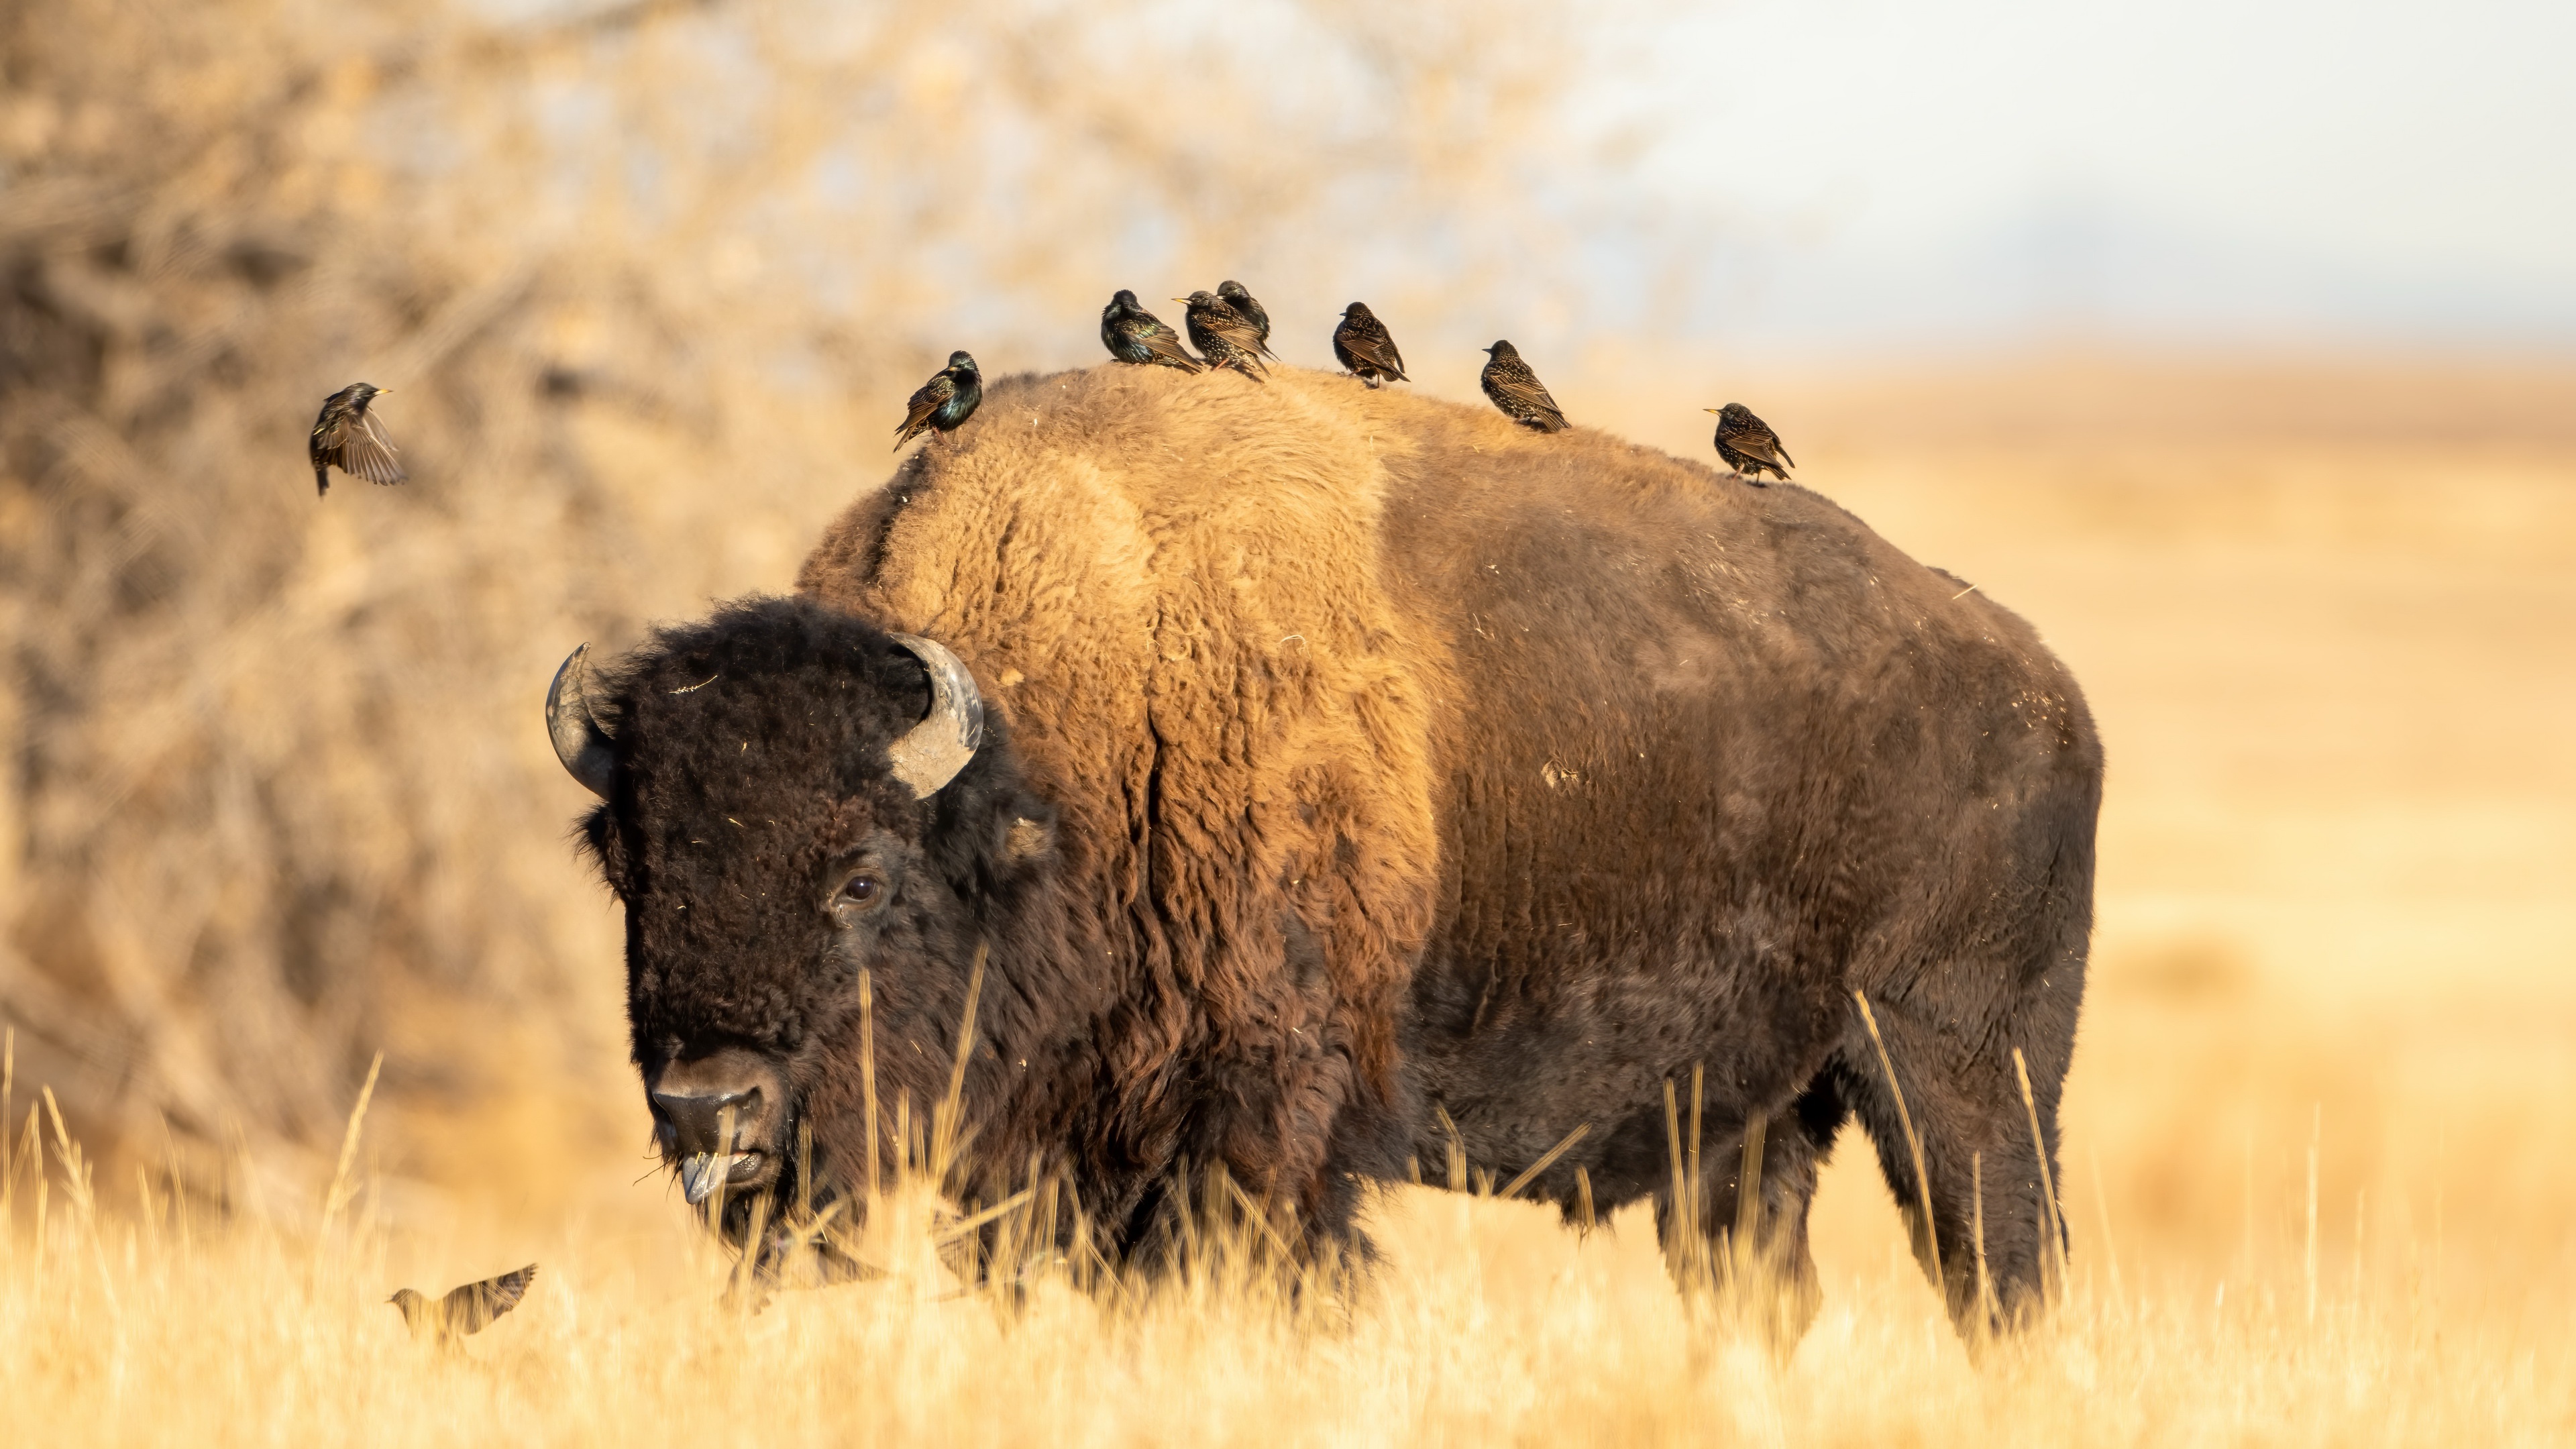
932	752
584	748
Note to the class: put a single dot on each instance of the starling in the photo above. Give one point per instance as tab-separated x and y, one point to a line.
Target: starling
1225	337
346	436
945	402
469	1309
1518	392
1133	334
1249	308
1365	347
1748	445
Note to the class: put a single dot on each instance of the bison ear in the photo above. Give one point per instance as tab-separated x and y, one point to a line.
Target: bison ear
606	848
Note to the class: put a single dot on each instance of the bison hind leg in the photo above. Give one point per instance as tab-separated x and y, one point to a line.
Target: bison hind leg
1749	1262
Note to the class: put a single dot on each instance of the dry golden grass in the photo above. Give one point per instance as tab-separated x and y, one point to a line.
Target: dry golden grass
278	798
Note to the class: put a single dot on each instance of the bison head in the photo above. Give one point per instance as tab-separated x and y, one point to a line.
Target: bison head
790	797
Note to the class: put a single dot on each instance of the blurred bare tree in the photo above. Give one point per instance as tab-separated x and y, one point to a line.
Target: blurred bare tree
647	281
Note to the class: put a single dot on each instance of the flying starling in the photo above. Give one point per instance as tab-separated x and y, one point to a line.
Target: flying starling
945	402
348	437
1249	308
1518	392
1365	347
1133	334
465	1310
1225	337
1748	445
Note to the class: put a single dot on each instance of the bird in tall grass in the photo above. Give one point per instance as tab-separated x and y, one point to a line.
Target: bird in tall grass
1518	392
469	1309
1133	334
1225	337
944	403
1748	445
1366	347
1249	308
348	437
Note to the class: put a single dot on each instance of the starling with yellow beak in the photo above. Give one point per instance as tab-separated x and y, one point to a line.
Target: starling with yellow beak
348	437
1225	337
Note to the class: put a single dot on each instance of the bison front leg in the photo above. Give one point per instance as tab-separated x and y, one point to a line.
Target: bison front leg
1748	1255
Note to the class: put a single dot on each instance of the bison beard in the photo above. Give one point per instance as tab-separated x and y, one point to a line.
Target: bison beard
1358	763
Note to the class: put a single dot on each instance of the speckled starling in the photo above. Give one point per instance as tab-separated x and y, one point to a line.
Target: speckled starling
1222	335
1249	308
945	402
348	437
1133	334
1366	348
1518	392
1748	445
469	1309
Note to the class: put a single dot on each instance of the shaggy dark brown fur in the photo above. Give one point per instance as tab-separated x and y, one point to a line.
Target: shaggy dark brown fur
1355	754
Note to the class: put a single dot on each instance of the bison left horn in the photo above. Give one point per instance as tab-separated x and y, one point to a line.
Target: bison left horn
932	752
580	743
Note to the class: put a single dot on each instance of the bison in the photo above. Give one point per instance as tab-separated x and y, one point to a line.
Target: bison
1335	780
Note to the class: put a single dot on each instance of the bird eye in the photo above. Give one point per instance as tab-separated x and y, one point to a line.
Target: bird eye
863	892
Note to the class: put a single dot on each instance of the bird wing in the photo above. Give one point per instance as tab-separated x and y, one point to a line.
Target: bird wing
469	1308
367	451
1526	391
1160	341
1229	324
916	413
1757	441
1375	347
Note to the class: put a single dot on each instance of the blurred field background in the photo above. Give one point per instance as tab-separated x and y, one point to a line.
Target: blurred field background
650	282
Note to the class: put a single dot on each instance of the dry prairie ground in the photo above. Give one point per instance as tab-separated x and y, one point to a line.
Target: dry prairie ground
2319	1158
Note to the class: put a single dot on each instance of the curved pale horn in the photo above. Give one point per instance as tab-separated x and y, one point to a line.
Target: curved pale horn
932	752
580	743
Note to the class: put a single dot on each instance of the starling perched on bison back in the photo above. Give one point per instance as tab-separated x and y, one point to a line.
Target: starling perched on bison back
1249	308
1748	445
1365	347
347	437
1225	337
1518	392
1135	335
945	402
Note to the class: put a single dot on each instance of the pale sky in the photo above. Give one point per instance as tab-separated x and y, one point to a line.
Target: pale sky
2294	170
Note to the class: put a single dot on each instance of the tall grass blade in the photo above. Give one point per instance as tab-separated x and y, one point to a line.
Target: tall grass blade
1931	1242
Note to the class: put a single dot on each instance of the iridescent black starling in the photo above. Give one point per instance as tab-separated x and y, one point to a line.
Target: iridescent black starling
1518	392
469	1309
1133	334
1222	335
945	402
346	436
1365	347
1748	445
1249	308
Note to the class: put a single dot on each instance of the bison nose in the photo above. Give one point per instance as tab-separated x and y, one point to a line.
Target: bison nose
711	1122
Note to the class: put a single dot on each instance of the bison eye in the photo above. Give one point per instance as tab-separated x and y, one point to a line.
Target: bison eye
863	892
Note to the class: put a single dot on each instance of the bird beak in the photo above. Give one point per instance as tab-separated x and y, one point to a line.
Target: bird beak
1180	299
1712	410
